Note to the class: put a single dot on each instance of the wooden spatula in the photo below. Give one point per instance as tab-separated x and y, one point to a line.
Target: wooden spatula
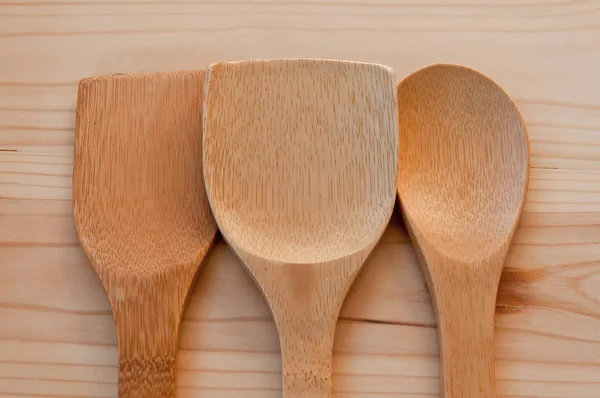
141	212
300	164
462	180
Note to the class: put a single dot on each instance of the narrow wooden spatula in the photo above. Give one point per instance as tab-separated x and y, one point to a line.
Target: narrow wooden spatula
300	164
141	212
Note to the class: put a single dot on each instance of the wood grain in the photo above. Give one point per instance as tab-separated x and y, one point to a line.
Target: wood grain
301	179
57	335
141	212
463	172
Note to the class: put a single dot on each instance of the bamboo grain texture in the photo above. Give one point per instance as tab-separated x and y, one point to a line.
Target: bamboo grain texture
462	178
57	335
304	201
141	212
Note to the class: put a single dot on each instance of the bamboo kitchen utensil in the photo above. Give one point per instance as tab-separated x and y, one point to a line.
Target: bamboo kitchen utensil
300	163
141	212
462	181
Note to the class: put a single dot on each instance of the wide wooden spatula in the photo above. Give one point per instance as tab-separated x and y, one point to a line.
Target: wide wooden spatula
141	212
300	164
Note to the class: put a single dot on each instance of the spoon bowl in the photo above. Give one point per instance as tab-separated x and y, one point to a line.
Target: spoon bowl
462	181
300	163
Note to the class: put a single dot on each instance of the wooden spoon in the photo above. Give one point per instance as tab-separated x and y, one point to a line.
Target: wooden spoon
141	212
300	163
462	180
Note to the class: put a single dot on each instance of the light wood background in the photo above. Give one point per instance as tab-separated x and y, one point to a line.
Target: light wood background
57	337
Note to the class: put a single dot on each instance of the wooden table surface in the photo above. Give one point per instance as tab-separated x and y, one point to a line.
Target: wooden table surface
57	337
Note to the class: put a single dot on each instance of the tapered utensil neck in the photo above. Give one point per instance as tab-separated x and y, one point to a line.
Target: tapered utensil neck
148	315
305	300
464	297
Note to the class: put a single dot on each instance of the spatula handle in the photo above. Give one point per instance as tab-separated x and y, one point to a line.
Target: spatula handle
305	301
147	317
147	377
306	355
465	307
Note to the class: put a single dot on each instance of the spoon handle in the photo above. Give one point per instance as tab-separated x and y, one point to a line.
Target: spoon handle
305	300
147	318
465	301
